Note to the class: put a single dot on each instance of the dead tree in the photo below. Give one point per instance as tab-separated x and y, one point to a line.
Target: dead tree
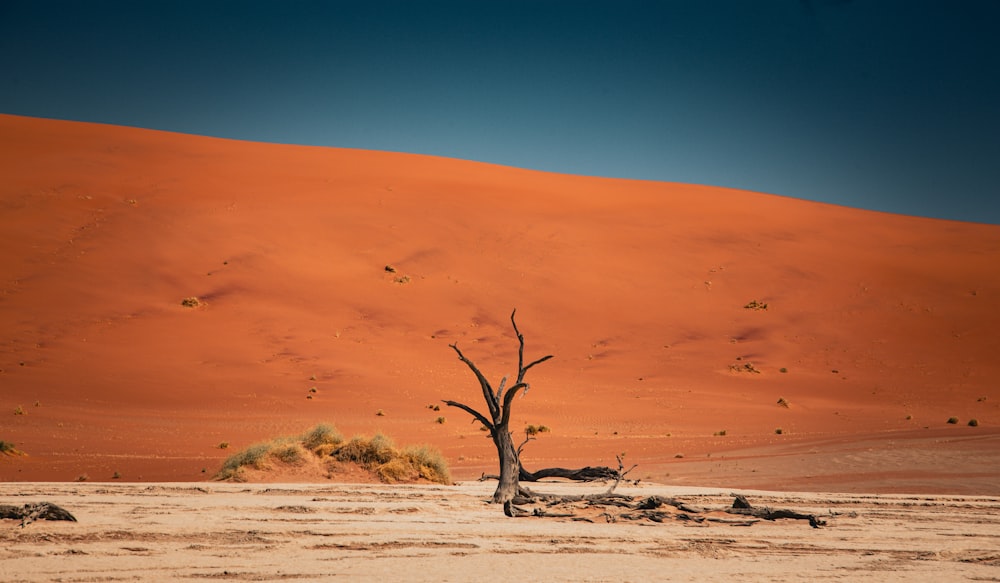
498	422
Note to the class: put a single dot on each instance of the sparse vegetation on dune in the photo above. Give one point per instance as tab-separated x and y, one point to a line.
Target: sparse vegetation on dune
7	448
378	455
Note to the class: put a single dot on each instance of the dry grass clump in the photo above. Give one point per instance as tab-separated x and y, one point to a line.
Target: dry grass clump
7	448
377	454
254	457
367	453
322	439
532	430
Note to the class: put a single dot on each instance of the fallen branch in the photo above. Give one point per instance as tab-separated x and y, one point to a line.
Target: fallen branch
647	509
741	506
35	511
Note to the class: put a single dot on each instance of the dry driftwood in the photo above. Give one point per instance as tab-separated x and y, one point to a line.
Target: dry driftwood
741	506
587	474
35	511
648	509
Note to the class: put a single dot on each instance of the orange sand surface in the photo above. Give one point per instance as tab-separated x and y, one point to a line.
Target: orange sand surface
878	327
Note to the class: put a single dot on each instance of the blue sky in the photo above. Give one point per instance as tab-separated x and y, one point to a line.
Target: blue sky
882	104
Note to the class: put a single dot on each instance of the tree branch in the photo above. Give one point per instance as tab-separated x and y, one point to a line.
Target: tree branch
479	416
508	399
539	361
491	398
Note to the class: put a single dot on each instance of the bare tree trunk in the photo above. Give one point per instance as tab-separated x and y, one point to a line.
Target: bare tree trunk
510	466
498	423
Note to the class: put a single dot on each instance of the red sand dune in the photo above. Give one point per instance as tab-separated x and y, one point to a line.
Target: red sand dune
885	325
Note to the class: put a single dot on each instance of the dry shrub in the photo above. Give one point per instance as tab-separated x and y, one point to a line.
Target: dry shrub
377	454
292	454
395	470
368	453
429	462
254	456
7	448
323	436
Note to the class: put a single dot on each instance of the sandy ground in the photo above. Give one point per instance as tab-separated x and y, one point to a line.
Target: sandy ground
877	328
277	532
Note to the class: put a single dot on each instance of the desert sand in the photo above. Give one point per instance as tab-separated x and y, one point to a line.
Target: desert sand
280	532
877	329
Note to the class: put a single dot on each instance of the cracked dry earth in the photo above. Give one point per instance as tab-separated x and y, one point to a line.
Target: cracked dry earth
257	532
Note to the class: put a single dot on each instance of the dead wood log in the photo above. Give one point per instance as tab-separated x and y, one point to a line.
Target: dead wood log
35	511
743	507
587	474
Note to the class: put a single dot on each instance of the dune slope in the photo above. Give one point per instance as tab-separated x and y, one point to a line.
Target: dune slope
352	271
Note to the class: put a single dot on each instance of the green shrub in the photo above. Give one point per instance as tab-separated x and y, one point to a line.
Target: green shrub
953	420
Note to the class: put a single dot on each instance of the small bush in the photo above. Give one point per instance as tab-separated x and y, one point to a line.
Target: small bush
191	302
321	436
224	445
395	470
782	369
368	453
292	454
783	402
19	410
440	420
536	429
377	454
8	448
430	463
973	422
720	433
253	456
380	413
779	431
953	420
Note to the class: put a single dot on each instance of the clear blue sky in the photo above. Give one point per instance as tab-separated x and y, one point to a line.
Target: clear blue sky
882	104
